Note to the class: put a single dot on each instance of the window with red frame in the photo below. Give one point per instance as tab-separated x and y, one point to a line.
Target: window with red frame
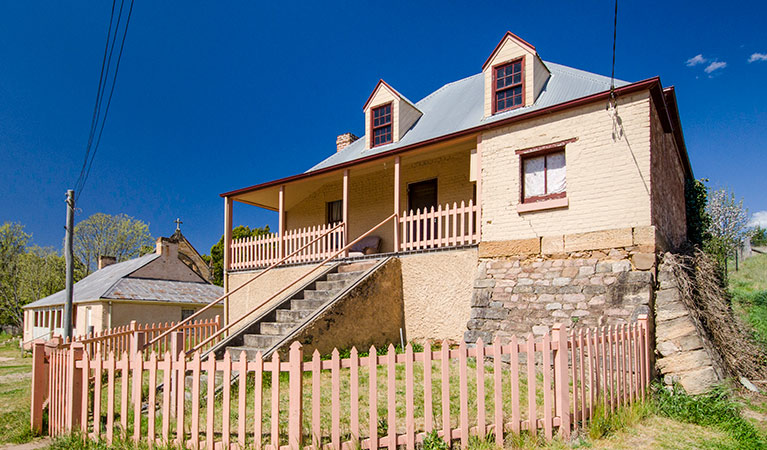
508	86
544	177
382	126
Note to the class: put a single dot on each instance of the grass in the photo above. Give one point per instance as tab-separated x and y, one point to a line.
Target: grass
15	377
748	286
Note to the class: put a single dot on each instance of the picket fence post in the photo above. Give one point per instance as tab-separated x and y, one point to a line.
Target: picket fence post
295	408
74	386
561	379
39	386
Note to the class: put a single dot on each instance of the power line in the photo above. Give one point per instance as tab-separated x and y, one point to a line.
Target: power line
92	148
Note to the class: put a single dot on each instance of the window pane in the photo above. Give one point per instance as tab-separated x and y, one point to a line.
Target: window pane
534	177
555	173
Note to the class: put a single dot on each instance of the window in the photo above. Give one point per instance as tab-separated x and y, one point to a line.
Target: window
335	212
381	125
186	313
544	177
508	86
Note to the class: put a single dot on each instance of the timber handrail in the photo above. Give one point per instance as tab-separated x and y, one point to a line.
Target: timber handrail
281	291
227	294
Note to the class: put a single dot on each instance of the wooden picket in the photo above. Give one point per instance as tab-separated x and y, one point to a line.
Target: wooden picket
118	340
567	375
447	226
257	252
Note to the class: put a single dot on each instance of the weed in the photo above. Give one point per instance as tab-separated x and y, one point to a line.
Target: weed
433	441
605	423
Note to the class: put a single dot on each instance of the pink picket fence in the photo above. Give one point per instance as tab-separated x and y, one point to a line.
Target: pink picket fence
118	340
538	386
446	226
262	251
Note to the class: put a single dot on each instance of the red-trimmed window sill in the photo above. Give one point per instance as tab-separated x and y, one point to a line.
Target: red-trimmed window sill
541	205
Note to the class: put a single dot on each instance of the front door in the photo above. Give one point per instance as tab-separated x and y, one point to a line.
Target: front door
422	196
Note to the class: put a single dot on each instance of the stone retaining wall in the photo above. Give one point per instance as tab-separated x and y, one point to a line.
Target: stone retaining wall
590	288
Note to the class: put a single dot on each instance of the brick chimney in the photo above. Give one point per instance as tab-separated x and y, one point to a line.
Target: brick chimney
343	141
106	261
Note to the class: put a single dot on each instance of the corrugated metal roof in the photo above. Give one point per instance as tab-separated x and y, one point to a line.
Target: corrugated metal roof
459	106
164	291
96	284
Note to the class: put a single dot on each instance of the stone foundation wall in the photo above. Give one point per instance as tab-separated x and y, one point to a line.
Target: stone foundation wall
515	294
684	354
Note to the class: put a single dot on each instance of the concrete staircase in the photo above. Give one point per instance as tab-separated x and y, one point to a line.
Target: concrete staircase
267	333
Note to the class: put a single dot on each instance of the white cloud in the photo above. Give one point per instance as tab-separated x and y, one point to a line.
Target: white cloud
715	65
757	57
695	60
758	218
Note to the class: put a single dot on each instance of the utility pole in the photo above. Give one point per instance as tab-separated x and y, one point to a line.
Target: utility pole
68	257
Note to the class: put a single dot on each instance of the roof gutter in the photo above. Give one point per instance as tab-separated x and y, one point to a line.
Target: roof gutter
651	83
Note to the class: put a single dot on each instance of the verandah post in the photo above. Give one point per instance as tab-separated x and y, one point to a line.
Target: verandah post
295	408
396	203
281	221
228	205
39	386
561	379
345	210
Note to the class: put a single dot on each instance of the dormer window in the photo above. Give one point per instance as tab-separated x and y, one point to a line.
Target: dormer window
508	86
382	125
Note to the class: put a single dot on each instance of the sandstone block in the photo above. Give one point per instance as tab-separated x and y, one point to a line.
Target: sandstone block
699	381
569	272
621	266
561	281
683	362
644	235
553	306
540	329
484	283
604	267
675	328
643	261
552	245
495	249
666	296
585	271
597	240
667	348
669	310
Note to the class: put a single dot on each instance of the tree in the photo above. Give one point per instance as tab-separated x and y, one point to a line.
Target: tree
13	241
729	224
698	220
101	234
759	236
216	258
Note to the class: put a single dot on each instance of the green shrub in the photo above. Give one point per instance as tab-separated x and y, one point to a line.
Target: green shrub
715	408
605	423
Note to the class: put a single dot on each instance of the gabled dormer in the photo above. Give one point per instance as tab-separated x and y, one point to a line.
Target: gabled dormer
514	75
388	116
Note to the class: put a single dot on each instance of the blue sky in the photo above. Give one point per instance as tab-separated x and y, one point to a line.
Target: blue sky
214	96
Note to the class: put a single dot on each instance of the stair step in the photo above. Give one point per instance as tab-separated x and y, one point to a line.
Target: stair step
250	352
260	340
331	285
289	315
277	328
318	295
342	276
357	266
305	304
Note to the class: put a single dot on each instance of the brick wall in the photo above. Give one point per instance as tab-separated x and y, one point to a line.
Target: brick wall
608	171
668	203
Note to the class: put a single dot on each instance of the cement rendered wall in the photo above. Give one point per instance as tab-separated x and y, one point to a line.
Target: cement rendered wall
371	314
436	291
608	171
255	293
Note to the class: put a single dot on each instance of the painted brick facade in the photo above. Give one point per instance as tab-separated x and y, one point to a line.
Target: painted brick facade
608	171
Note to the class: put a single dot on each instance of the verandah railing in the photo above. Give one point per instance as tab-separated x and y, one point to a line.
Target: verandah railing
534	385
447	226
118	340
262	251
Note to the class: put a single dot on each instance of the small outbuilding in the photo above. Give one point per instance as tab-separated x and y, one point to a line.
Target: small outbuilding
155	288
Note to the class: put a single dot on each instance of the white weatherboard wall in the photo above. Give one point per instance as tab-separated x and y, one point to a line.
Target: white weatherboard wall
608	178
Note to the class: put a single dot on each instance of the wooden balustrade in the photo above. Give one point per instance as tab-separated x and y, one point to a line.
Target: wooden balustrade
262	251
566	375
447	226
